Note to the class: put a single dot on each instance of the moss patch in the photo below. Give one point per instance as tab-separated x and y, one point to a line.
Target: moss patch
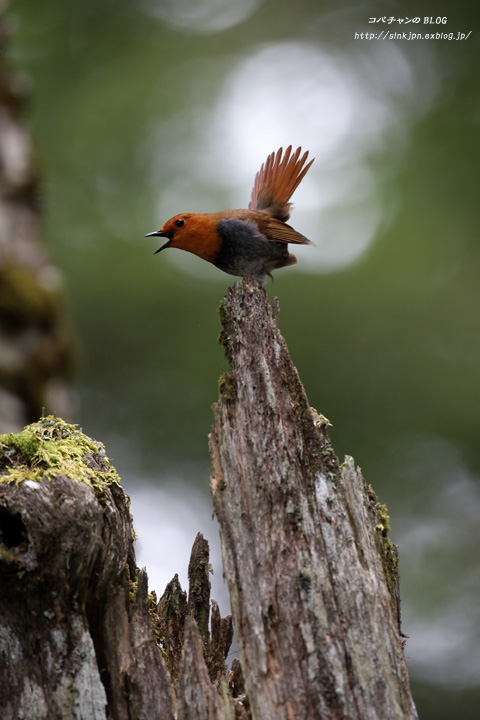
384	519
227	387
53	447
389	550
155	620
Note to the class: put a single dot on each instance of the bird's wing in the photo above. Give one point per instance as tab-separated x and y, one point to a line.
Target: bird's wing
276	182
278	231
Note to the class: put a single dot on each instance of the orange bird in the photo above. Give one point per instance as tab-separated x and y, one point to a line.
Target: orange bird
247	242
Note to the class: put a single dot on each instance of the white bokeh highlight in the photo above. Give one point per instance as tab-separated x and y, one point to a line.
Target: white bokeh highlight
201	16
167	520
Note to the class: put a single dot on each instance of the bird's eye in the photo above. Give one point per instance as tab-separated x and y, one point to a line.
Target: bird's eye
180	222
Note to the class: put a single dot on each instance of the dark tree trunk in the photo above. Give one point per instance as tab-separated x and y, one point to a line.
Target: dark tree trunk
36	344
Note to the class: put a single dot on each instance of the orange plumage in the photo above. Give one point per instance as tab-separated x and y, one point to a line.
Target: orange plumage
247	242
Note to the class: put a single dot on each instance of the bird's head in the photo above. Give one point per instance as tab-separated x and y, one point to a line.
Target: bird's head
174	230
193	232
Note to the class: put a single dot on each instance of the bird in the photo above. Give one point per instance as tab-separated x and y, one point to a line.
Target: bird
247	242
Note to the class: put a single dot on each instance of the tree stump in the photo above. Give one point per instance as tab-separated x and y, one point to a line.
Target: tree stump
312	576
75	631
79	635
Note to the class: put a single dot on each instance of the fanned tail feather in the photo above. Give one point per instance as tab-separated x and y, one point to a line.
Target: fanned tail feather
277	180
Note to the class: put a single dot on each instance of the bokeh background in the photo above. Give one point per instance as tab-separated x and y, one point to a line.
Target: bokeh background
140	110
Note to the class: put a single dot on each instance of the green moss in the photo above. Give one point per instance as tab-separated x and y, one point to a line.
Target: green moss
227	387
25	444
391	564
132	584
384	519
222	312
154	618
372	496
53	447
389	550
323	420
152	604
222	339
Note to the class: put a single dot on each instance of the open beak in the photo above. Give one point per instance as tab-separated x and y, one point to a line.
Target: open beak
159	233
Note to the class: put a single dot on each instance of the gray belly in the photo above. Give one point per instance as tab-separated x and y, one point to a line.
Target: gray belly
246	252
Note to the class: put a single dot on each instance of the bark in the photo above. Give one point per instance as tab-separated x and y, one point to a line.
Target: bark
198	698
312	576
79	635
75	632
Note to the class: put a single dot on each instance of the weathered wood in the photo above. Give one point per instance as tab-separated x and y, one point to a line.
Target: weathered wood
75	633
308	566
79	634
198	699
174	612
